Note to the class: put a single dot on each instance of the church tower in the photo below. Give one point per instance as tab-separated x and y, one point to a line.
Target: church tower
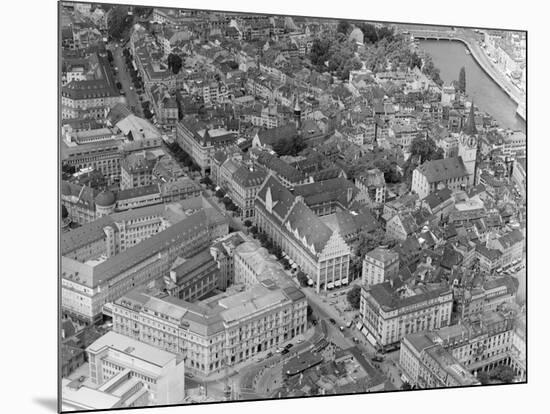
468	146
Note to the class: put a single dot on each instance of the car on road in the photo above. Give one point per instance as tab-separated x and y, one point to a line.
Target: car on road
284	351
82	378
299	341
289	346
332	321
377	358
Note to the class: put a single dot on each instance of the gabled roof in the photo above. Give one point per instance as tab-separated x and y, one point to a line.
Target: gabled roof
443	169
309	226
335	189
249	178
439	197
282	197
510	239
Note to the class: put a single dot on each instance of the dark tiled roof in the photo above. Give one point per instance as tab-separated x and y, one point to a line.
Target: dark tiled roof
273	163
325	191
508	240
443	169
273	135
437	198
491	254
282	198
246	178
387	298
308	225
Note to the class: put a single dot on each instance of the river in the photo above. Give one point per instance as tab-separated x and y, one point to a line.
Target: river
449	57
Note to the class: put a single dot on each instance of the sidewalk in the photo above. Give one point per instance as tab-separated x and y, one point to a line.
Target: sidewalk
256	359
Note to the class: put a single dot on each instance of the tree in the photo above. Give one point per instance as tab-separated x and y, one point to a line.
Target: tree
431	71
174	63
253	230
206	180
503	373
425	149
247	223
369	241
483	377
309	312
343	27
369	33
462	80
302	278
118	22
262	237
354	296
220	193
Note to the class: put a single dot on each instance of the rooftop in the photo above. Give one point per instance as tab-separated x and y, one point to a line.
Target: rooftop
443	169
131	347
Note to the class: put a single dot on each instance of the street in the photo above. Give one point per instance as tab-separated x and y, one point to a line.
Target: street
125	79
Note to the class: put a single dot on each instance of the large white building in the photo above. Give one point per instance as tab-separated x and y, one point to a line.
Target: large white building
389	313
322	253
201	144
480	343
225	329
87	284
115	355
379	265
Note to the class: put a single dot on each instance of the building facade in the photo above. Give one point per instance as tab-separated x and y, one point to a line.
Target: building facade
388	314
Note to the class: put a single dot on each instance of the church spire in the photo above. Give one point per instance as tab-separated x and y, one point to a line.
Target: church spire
470	126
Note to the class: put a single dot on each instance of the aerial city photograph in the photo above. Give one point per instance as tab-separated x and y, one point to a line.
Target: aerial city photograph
257	207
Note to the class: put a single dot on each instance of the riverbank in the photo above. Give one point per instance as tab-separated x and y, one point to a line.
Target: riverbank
449	57
469	39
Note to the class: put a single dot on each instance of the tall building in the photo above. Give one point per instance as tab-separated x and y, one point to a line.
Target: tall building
480	343
389	312
379	265
322	253
87	285
468	146
137	170
219	331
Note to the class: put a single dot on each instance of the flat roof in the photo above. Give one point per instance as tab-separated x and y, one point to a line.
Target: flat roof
132	347
85	397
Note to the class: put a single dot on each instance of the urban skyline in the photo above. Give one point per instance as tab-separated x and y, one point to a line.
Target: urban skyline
262	207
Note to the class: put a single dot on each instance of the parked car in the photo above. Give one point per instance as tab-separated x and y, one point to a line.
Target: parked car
284	351
82	378
289	346
299	341
269	355
377	358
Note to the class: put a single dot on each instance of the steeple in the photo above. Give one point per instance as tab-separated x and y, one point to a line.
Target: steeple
470	126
